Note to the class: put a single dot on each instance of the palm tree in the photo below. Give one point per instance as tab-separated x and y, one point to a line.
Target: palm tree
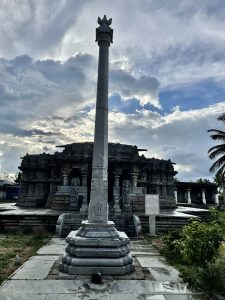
218	152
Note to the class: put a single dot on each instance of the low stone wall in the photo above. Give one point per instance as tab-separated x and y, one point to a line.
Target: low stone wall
27	223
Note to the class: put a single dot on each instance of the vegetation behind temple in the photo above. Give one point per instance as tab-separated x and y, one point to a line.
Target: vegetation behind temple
198	251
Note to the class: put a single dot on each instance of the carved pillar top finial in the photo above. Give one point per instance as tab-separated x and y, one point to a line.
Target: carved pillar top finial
104	33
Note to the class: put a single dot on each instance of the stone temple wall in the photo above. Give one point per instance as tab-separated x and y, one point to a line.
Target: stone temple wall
62	180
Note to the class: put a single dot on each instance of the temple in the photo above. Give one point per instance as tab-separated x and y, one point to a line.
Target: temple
62	180
99	179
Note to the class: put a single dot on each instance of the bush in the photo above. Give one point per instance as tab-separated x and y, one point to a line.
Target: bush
192	275
170	249
197	243
196	251
210	278
200	243
214	277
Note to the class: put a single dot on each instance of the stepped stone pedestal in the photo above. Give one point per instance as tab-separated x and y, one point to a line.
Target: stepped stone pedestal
95	248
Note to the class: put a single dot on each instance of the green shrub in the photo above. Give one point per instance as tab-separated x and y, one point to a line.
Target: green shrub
196	250
170	249
214	277
200	243
210	278
192	275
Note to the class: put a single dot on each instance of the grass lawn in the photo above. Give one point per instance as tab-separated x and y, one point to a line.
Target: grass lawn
21	245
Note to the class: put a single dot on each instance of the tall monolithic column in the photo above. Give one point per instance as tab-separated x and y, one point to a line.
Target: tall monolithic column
97	246
98	207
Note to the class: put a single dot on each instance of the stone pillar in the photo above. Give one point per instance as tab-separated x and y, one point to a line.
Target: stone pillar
189	196
116	180
164	190
157	189
84	179
134	179
36	190
116	193
84	206
65	179
97	247
203	197
175	194
217	199
98	206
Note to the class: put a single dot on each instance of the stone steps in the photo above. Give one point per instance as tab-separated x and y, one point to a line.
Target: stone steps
167	202
28	223
164	223
138	204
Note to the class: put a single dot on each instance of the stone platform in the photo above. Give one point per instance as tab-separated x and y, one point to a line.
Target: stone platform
13	217
97	248
153	279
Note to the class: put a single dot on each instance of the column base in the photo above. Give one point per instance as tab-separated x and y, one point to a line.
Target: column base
95	248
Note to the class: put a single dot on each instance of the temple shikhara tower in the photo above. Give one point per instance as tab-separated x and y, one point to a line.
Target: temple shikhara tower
97	246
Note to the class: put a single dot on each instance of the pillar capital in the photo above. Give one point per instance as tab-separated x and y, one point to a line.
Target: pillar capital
104	33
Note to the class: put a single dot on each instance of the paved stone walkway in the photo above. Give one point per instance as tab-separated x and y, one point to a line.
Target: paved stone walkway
39	279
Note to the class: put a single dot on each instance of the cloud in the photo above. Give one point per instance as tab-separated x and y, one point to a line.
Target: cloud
144	89
10	157
35	27
33	89
166	76
181	136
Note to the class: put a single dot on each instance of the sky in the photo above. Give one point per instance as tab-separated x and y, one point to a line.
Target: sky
166	78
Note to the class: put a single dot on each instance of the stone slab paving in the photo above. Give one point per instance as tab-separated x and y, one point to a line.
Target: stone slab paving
153	261
55	246
165	274
35	268
31	281
142	249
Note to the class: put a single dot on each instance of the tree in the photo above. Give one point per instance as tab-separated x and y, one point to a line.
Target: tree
218	181
18	177
203	180
218	152
175	179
